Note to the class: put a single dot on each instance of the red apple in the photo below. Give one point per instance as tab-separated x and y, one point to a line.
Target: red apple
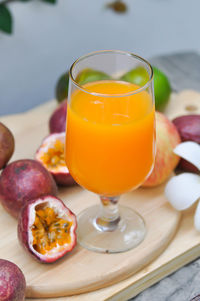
167	137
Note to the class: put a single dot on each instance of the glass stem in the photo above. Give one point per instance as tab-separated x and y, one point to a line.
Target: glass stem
109	215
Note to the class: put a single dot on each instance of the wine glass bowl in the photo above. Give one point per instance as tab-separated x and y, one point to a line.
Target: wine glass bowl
110	146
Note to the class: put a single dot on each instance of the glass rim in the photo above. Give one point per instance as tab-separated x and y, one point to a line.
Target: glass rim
130	54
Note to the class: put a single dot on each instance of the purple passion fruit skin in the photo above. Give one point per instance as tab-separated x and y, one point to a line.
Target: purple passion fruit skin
23	180
188	127
12	282
63	179
7	145
57	122
26	223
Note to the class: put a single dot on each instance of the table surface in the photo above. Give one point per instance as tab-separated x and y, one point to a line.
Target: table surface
183	70
47	39
184	73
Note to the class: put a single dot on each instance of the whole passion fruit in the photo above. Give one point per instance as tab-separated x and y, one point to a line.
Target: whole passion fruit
47	228
23	180
57	122
51	155
7	145
12	282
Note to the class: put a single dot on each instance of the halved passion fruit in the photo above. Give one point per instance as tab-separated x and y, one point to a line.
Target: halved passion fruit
51	155
46	228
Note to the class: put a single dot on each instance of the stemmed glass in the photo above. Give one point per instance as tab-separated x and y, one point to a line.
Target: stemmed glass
110	146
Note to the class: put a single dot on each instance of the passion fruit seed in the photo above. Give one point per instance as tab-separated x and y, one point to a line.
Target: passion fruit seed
51	155
54	156
49	230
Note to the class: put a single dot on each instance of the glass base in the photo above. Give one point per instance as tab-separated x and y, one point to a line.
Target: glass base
126	234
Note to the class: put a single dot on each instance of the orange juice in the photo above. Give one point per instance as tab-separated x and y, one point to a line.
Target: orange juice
110	137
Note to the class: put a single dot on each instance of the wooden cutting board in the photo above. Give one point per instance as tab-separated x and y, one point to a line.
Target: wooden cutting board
82	270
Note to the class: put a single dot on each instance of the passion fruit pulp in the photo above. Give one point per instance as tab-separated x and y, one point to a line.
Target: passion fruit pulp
51	155
23	180
46	229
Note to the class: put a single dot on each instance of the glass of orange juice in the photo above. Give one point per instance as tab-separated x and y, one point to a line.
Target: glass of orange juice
110	145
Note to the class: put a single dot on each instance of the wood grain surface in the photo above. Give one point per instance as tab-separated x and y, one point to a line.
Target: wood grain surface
183	71
82	270
149	202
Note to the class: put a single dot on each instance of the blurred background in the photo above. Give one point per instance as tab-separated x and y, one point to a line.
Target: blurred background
47	38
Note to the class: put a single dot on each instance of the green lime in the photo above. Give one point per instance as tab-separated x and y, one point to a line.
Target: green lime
162	89
62	87
89	75
138	76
